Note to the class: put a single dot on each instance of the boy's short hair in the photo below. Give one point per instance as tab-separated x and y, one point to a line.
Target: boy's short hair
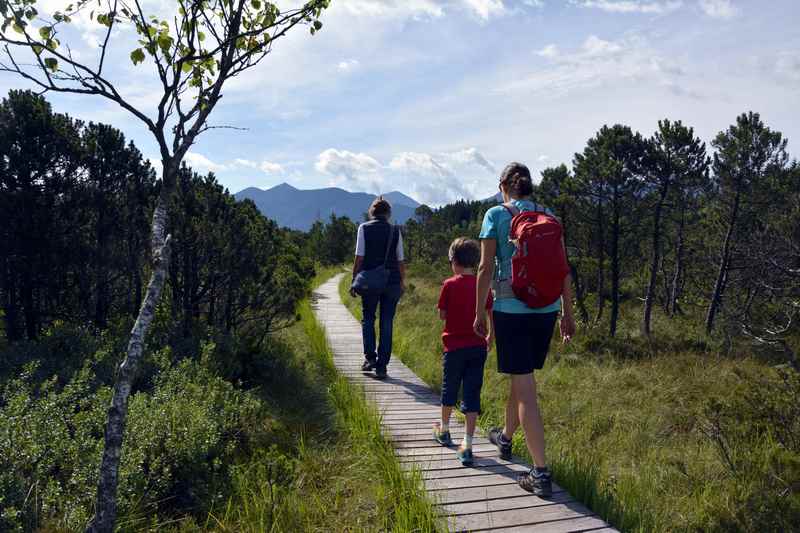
466	252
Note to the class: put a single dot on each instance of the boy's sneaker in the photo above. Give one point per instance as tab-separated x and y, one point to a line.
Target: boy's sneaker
380	372
368	365
464	455
442	437
503	446
537	481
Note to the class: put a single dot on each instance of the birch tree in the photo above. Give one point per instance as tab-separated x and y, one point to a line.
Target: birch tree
193	52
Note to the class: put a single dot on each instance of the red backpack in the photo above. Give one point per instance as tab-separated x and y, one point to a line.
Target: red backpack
539	265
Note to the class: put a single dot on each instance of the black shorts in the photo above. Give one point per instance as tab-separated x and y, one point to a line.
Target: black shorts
522	340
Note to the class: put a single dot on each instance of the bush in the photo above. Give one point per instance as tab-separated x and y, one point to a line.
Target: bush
757	436
181	439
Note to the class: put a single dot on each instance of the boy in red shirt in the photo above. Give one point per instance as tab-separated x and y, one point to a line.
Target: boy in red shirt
464	350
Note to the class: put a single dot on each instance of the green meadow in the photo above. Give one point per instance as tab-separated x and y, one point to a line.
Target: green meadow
653	435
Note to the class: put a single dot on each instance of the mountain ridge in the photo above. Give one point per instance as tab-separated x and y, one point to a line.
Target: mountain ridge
300	208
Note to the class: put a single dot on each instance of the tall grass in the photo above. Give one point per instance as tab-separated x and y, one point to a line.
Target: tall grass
343	478
630	423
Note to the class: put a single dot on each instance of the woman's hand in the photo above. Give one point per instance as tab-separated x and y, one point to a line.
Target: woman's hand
567	327
481	325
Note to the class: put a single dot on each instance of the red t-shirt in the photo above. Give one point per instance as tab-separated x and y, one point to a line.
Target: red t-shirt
458	300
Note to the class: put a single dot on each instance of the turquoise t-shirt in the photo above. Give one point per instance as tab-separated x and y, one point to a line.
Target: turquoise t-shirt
496	225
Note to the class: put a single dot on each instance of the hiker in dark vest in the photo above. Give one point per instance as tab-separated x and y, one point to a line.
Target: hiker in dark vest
378	243
522	332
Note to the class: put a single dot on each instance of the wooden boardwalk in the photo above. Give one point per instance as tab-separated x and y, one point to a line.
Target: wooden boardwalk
484	497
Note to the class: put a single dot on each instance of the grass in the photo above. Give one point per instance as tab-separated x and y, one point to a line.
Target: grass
629	422
341	476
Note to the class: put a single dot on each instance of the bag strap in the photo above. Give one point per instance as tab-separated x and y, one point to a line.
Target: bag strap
511	209
389	245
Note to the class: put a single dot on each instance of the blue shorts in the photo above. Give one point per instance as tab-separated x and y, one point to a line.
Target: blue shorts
464	366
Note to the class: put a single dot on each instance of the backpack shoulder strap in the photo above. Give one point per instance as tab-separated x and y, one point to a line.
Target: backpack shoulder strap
512	209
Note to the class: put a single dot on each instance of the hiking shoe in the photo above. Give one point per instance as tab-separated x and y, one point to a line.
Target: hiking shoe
380	372
464	455
537	481
503	445
442	437
368	365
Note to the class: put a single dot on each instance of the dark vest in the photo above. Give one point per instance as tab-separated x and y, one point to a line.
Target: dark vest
376	234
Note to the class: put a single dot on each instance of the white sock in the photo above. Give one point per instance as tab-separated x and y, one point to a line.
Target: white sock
467	443
444	426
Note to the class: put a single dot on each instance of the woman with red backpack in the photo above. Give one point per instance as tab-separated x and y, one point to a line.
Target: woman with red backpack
524	262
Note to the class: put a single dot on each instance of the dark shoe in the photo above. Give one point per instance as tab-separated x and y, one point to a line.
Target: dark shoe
464	455
368	365
442	437
537	481
503	445
380	372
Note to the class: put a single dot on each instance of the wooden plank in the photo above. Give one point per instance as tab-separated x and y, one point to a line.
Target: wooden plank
582	524
516	517
488	480
425	442
441	450
503	504
475	470
480	494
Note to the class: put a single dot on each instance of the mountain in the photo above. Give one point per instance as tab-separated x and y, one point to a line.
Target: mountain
497	198
299	209
398	198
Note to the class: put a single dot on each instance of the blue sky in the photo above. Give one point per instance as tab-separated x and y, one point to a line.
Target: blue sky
432	98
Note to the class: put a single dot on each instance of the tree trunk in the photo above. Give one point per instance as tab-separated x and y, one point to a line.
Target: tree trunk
106	505
654	262
10	313
614	267
579	294
722	274
674	295
601	249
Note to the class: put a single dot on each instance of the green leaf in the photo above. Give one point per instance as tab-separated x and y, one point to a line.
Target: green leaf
201	36
256	4
18	28
51	63
317	25
45	31
187	67
137	56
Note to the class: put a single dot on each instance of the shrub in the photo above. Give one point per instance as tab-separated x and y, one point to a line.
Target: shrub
181	439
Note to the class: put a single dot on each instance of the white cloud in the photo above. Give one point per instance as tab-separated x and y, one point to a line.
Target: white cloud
551	50
348	65
534	3
486	8
201	163
393	8
245	163
595	46
596	62
634	6
470	156
358	171
426	9
720	9
436	179
271	168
